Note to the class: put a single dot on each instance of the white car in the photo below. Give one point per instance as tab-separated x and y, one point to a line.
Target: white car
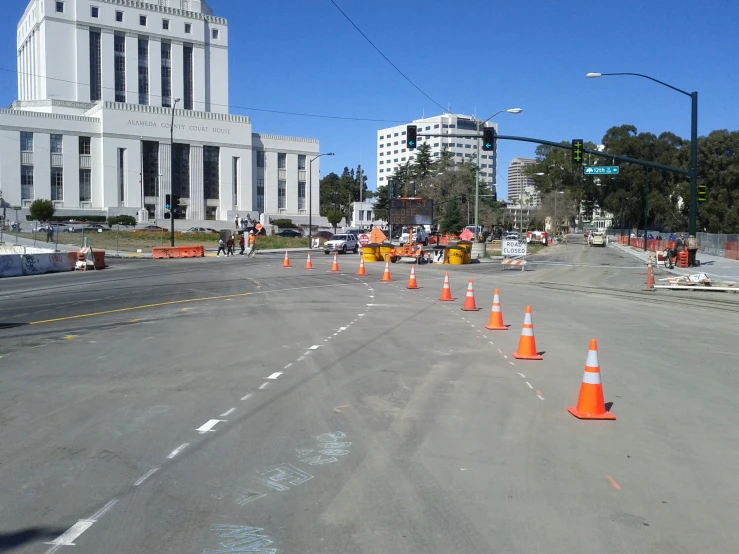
341	243
598	239
420	235
511	236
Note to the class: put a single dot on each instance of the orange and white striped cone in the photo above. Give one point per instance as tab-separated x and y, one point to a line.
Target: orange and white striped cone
527	343
335	265
469	301
386	274
286	261
308	263
496	315
446	291
412	284
361	270
590	404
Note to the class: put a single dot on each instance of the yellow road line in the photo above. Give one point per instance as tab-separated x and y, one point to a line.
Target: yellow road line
175	302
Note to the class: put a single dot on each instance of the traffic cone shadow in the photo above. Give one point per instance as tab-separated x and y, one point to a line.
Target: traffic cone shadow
527	342
590	404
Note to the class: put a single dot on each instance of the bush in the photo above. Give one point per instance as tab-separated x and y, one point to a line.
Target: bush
41	210
127	220
284	223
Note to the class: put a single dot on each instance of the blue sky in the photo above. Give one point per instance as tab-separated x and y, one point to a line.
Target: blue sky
474	55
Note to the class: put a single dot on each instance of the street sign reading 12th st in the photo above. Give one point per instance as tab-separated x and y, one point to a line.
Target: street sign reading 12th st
600	170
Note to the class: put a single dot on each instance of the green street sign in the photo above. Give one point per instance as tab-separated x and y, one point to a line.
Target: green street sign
600	170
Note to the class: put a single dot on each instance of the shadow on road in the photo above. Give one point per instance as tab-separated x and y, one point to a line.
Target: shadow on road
8	541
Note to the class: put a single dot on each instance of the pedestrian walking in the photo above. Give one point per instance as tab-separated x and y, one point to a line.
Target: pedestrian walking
692	245
49	234
237	221
221	247
252	244
242	244
230	246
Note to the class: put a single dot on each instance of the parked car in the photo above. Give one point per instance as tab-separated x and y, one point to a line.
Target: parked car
420	235
292	233
153	228
96	228
341	243
511	236
323	234
537	237
200	230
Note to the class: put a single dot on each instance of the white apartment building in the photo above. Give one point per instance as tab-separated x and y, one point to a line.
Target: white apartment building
518	181
392	151
97	84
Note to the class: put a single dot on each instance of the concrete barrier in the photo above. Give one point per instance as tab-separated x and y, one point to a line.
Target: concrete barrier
10	265
165	252
15	265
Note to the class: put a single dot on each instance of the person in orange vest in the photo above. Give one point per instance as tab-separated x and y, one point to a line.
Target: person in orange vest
252	244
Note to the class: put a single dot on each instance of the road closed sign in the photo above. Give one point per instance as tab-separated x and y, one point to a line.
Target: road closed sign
512	248
364	239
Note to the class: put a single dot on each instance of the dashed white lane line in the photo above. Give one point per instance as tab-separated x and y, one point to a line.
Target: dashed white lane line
315	347
208	426
70	535
540	397
506	357
288	366
263	386
529	384
500	351
522	375
511	363
275	375
224	414
247	397
300	359
177	450
146	476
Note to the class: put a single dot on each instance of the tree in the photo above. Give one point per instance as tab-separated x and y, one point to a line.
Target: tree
334	218
42	210
452	222
382	203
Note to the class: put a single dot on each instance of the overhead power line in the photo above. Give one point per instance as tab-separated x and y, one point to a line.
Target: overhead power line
231	106
443	109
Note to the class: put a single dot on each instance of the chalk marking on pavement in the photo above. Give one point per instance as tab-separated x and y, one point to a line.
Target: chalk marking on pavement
613	482
529	384
146	476
511	363
70	535
263	386
275	375
188	300
540	397
522	375
247	397
208	427
288	366
315	347
340	408
228	412
177	450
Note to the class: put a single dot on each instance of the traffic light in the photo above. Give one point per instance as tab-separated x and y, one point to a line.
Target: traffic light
176	211
410	137
576	151
391	189
488	139
702	193
168	202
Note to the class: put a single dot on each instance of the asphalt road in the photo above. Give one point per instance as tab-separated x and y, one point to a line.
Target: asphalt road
231	405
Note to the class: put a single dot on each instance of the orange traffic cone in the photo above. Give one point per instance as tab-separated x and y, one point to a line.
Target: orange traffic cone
286	261
335	265
412	281
527	344
650	275
446	291
496	315
361	271
469	301
308	263
386	274
590	403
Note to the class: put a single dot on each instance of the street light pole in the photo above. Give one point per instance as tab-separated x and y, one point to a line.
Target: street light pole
477	171
171	174
693	142
310	197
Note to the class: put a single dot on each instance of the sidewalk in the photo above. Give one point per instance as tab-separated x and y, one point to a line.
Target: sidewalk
721	268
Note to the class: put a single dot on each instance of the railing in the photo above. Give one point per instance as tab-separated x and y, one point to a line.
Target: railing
57	160
85	161
27	158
